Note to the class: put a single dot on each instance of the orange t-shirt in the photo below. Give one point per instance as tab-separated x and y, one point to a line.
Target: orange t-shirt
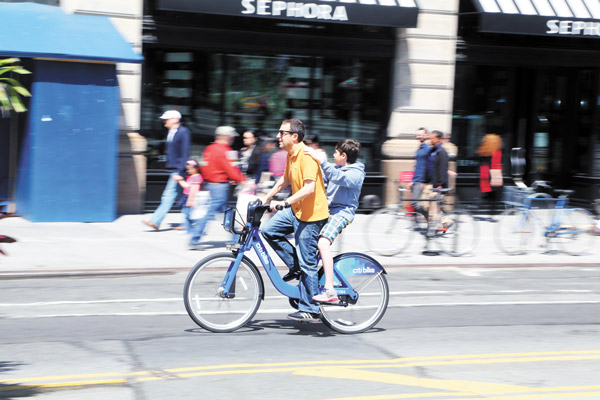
300	167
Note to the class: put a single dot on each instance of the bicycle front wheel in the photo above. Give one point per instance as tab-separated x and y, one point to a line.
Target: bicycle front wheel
205	302
460	235
388	231
514	231
367	278
576	232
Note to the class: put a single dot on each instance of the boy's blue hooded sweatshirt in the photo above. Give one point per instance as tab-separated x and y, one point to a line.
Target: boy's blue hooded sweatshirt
343	187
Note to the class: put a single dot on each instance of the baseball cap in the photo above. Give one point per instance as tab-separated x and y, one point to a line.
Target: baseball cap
225	131
171	114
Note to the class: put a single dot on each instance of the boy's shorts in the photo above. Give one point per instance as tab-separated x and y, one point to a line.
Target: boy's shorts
334	227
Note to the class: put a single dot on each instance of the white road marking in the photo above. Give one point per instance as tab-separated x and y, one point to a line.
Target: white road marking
278	296
287	310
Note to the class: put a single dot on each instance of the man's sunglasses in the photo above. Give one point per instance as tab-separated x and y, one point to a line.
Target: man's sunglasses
285	132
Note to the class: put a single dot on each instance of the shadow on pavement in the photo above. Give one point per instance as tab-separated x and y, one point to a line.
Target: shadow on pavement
14	390
292	328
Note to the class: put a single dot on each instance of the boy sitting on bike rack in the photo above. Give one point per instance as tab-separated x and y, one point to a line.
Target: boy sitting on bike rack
345	179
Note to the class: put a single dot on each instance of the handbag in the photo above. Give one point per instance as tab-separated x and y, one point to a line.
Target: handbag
202	203
496	177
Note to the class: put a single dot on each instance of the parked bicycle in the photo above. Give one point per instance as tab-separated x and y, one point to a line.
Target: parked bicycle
570	228
391	230
224	291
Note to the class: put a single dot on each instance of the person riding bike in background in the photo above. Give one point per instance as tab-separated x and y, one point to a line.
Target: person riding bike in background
344	182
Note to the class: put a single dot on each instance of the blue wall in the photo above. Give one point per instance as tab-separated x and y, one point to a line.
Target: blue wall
68	160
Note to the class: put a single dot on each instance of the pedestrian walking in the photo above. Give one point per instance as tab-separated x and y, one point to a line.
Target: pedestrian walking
417	183
177	152
436	173
191	190
218	172
313	142
490	171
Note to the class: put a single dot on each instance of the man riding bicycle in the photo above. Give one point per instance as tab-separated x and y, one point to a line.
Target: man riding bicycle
304	214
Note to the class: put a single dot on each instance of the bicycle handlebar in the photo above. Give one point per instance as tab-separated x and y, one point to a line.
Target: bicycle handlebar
279	208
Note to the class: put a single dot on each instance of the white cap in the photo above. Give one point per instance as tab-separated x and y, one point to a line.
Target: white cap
225	131
171	114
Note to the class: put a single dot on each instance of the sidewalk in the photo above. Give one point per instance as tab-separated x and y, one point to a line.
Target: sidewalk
126	246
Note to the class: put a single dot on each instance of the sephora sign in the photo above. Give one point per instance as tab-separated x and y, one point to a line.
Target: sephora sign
392	13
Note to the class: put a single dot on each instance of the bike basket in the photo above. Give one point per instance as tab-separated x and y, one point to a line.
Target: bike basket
514	196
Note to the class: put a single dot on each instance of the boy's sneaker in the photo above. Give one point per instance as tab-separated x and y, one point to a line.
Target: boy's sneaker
326	296
303	316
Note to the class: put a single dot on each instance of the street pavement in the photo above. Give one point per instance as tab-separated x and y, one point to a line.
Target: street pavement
126	246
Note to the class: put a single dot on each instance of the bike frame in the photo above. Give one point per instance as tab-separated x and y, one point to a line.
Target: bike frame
252	241
558	214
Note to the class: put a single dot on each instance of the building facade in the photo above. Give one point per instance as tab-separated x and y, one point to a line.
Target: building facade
530	72
525	69
369	70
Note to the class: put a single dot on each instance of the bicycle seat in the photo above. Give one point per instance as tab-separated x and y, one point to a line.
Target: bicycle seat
564	191
442	190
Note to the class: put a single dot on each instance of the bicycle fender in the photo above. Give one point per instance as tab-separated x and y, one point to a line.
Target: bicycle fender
354	264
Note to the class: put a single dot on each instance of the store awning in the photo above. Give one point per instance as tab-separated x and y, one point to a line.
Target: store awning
32	30
564	18
392	13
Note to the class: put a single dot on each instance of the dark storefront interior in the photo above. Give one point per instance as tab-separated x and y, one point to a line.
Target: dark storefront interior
539	93
248	72
254	72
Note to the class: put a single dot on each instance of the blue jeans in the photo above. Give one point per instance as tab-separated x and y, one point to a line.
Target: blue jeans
169	195
186	211
304	255
219	192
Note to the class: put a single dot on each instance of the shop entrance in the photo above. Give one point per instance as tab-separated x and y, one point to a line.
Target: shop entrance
562	134
552	113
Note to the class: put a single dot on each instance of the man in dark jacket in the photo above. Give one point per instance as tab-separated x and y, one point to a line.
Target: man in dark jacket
437	162
177	152
436	174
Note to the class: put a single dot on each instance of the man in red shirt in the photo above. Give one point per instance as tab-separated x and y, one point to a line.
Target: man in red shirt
217	172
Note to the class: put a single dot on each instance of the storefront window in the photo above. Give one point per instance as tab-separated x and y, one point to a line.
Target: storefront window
335	97
480	106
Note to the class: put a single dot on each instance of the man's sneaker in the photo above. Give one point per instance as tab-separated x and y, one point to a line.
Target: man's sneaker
303	316
326	296
293	274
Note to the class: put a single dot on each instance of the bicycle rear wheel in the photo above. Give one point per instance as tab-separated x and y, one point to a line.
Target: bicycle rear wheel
367	278
205	303
461	236
389	231
576	232
514	231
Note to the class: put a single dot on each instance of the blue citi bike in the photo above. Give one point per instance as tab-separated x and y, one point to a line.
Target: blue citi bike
571	228
223	291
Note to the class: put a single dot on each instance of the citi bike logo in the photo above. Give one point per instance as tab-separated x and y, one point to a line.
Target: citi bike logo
363	270
263	254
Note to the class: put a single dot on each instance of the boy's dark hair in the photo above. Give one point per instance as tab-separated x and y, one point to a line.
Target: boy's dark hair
296	126
438	134
349	146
